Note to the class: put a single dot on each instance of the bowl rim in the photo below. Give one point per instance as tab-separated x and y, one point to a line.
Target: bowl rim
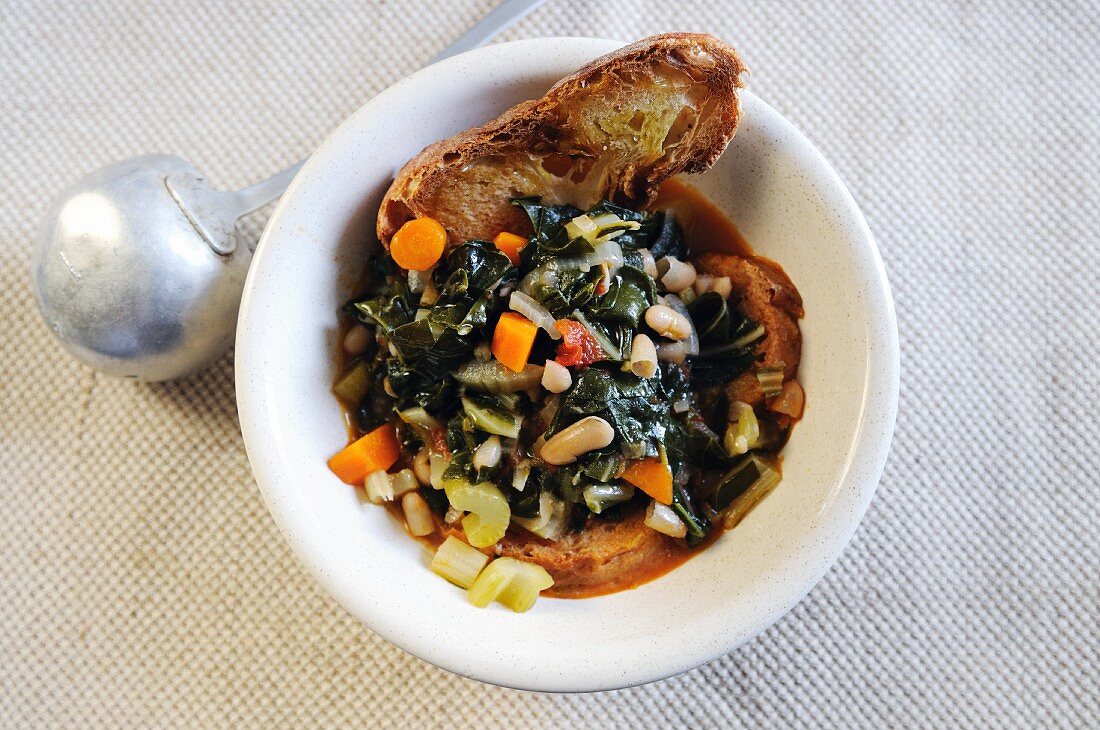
870	446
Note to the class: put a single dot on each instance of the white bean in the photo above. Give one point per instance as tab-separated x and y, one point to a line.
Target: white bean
677	275
643	356
356	339
488	453
649	265
722	285
556	377
588	434
667	322
703	284
671	352
422	467
417	515
403	482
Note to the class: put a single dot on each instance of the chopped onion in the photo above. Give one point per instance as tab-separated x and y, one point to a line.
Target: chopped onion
418	279
789	400
487	455
550	522
661	518
418	417
581	227
520	475
530	308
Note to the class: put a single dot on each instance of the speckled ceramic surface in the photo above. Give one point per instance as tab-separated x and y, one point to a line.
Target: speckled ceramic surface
790	206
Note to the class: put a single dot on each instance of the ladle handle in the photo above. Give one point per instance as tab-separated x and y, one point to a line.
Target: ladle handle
260	194
499	18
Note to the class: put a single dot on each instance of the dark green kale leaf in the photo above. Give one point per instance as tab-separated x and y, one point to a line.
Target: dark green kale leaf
627	402
562	292
728	339
524	503
390	309
474	267
666	238
697	523
546	220
625	302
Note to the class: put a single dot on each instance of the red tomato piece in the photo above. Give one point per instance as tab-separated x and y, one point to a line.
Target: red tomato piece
578	347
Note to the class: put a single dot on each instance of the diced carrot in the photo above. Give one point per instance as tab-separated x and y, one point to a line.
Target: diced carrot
510	245
418	244
512	340
652	477
379	449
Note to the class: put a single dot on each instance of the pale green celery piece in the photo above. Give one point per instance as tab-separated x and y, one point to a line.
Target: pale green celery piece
765	483
771	380
492	420
353	384
512	582
744	433
488	509
458	562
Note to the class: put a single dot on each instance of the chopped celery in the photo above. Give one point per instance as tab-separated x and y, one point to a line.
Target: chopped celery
354	384
512	582
742	433
489	512
493	377
599	497
492	419
458	562
743	486
771	380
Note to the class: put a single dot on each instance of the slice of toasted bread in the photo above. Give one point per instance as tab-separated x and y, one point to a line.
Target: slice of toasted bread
615	129
605	556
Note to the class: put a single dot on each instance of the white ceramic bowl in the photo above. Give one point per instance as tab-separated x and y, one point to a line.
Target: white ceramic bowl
791	207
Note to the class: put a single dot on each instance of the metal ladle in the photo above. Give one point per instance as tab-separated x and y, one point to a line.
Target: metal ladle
137	267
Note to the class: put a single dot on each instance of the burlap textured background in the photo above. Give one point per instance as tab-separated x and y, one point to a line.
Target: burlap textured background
142	582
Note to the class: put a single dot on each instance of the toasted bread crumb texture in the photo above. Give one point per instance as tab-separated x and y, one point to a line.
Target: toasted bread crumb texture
615	129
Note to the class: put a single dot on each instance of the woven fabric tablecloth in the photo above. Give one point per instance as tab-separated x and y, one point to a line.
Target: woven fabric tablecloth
142	582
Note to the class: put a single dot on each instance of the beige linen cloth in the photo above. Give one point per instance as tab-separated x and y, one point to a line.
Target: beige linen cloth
142	582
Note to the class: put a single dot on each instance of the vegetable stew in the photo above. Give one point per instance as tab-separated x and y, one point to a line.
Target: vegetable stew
545	391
